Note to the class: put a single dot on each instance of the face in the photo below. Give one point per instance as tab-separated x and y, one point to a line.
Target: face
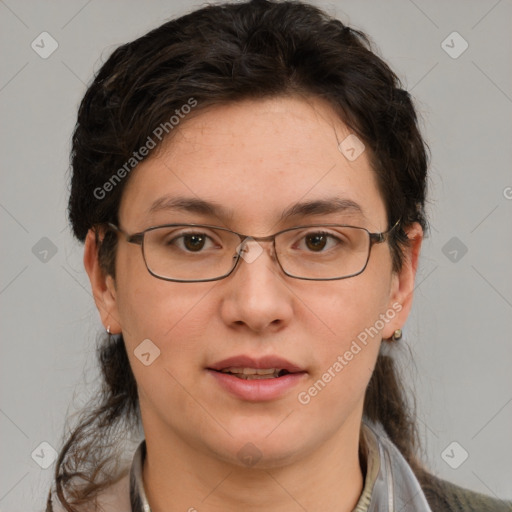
254	159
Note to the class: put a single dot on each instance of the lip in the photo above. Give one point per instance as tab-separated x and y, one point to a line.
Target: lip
244	361
257	390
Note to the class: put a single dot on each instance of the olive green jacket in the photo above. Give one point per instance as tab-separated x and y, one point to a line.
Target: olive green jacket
444	496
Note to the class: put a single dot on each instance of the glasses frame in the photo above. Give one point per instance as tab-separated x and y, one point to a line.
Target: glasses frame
138	239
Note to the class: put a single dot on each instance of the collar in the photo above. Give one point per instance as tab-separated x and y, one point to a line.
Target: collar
389	483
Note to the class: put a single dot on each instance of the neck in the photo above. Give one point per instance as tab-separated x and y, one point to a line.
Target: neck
178	477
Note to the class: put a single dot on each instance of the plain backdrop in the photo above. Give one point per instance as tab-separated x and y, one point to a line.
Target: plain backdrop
459	330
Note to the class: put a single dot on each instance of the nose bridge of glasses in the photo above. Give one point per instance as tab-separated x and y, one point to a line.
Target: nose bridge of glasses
250	247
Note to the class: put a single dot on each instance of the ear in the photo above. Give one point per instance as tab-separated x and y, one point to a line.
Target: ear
103	286
402	284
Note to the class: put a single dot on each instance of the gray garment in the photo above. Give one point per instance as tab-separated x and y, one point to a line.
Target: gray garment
390	484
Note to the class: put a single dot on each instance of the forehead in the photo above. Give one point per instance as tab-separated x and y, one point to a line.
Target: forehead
254	160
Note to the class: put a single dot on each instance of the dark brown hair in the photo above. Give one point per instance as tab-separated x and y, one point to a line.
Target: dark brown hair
217	55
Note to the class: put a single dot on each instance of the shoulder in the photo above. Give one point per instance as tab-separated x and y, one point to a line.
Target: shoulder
443	496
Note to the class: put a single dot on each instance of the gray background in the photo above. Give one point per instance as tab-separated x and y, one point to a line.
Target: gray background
459	331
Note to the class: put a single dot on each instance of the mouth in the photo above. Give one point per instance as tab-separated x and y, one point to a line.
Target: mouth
255	373
257	379
251	368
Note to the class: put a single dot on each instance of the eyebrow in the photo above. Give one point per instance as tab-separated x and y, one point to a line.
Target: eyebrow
301	209
322	207
190	204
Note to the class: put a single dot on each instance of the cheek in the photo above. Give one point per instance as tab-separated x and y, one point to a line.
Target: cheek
173	315
175	319
165	313
150	307
351	316
345	309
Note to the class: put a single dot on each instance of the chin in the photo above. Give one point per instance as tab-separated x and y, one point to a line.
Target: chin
263	444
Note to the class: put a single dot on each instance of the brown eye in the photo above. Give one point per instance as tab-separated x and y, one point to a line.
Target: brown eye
316	241
194	242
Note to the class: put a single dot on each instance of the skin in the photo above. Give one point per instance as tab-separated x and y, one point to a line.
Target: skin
257	158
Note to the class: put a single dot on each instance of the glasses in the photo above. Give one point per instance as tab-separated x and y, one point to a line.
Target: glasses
189	253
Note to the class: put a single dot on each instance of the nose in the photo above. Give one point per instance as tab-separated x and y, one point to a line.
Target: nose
256	295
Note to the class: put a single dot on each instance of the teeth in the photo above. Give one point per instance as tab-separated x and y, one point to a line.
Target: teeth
255	377
253	373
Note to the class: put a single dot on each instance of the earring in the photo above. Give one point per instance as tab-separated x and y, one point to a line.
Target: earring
108	330
397	335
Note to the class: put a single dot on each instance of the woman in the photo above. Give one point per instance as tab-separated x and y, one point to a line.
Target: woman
249	181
